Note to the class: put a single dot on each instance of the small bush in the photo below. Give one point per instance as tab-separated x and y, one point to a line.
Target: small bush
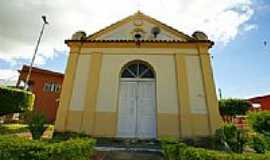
15	100
171	147
18	148
260	122
36	124
232	138
258	143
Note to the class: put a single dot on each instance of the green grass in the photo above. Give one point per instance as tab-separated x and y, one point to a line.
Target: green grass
16	128
13	128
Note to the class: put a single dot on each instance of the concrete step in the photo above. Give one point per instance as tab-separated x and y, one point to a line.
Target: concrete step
128	149
128	143
128	155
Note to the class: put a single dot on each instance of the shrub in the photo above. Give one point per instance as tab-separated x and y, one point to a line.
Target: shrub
201	141
171	147
18	148
36	124
15	100
191	153
232	138
258	143
260	122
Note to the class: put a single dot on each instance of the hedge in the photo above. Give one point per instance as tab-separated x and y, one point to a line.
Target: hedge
260	122
18	148
14	100
180	151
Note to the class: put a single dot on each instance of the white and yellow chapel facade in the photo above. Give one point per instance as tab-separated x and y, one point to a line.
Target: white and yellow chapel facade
139	78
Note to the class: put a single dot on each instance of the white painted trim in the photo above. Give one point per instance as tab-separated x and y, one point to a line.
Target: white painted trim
137	80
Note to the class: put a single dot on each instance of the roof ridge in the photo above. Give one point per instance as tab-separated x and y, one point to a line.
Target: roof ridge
37	69
259	96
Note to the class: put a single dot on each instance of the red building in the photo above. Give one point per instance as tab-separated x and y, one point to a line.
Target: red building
260	102
46	85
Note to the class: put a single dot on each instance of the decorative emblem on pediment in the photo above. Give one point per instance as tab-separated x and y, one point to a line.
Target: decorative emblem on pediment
138	21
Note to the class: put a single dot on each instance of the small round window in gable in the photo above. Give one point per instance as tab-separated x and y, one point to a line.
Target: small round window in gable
138	34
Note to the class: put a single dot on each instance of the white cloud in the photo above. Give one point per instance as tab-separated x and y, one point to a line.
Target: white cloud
21	23
250	27
8	76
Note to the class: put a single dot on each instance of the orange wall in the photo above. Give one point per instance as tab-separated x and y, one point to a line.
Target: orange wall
45	102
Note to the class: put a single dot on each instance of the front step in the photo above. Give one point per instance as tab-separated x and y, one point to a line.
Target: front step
127	154
128	143
128	149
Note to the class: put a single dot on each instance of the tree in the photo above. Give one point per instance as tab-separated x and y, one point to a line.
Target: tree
229	108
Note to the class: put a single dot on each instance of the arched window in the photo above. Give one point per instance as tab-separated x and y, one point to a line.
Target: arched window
137	70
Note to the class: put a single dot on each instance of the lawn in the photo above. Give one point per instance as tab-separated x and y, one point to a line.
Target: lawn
22	130
13	128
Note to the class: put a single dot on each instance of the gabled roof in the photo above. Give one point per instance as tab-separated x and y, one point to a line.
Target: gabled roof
139	14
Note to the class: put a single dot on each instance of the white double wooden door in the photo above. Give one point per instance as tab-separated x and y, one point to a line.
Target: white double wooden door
137	110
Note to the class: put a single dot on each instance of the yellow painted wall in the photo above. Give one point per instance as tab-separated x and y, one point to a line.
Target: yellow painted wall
99	91
89	115
80	82
200	125
168	124
165	72
74	120
105	124
214	118
184	118
62	112
195	85
109	81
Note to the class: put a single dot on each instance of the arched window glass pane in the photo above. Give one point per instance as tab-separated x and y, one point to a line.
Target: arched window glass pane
133	68
137	70
127	74
148	74
142	68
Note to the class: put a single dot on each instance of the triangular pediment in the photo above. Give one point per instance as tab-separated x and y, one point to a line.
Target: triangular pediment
139	27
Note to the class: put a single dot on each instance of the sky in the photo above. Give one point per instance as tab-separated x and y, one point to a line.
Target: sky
238	28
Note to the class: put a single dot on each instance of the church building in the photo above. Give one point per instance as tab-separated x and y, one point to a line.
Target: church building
139	78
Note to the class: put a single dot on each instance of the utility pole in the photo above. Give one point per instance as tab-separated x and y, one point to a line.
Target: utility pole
45	22
220	93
